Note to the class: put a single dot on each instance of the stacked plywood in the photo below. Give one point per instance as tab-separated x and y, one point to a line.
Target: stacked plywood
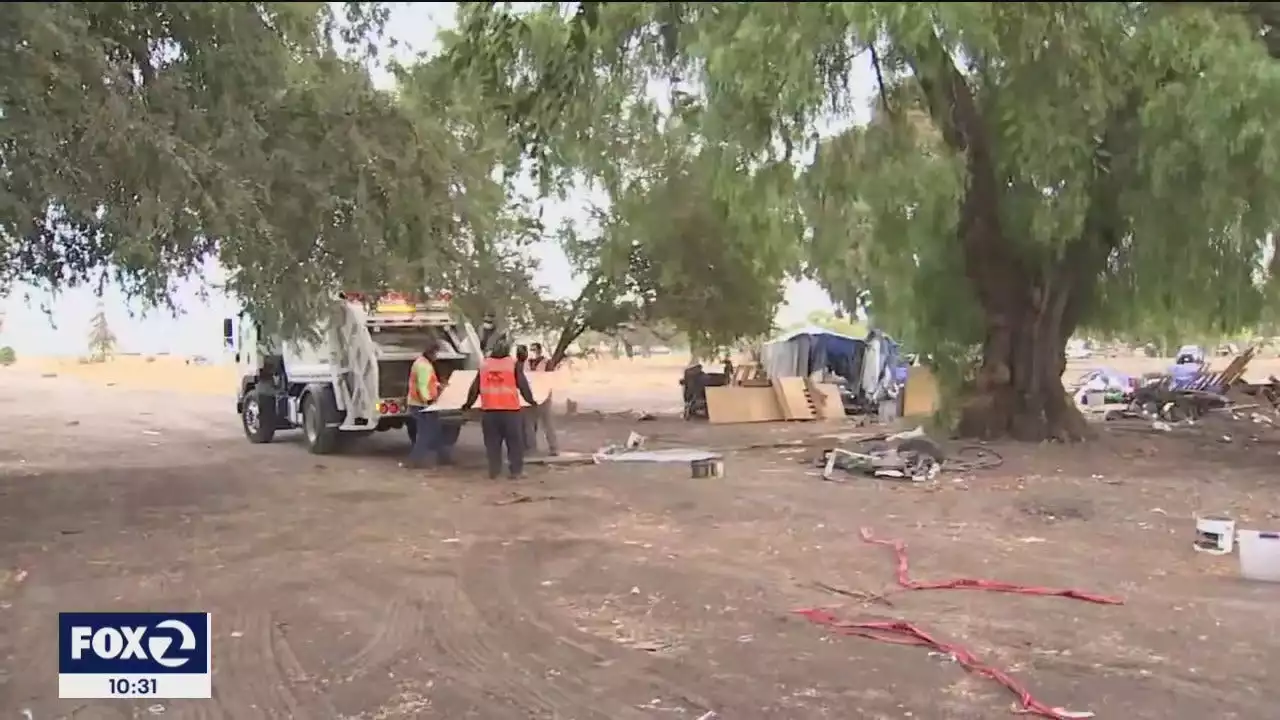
791	398
826	400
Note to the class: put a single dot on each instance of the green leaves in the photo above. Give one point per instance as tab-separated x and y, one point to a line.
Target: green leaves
139	139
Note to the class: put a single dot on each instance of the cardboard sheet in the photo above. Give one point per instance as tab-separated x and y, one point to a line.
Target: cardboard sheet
455	392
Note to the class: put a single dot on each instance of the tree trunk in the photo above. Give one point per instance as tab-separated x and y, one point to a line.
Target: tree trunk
1018	392
571	331
1031	305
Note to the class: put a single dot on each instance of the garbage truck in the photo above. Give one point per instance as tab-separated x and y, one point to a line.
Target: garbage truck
351	378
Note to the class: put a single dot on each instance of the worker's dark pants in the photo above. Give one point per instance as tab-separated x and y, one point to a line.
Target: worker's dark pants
503	427
429	439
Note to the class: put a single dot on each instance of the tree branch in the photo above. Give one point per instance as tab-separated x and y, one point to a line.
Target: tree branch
1083	262
875	63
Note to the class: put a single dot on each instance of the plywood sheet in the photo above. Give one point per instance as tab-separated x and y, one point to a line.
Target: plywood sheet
729	404
920	397
826	400
793	398
455	392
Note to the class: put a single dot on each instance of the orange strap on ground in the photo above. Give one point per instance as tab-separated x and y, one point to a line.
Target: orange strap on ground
904	579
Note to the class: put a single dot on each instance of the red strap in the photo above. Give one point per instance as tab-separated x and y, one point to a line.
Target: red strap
904	633
904	579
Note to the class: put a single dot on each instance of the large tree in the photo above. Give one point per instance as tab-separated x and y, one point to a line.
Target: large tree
1028	169
138	140
663	239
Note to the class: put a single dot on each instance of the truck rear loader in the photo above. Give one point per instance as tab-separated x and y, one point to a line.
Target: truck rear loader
353	380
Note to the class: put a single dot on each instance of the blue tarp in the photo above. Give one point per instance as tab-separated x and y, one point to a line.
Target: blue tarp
810	349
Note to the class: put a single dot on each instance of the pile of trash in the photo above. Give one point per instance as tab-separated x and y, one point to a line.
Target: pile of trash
911	455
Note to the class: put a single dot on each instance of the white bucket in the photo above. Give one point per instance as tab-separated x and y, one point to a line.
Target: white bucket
1215	534
1260	555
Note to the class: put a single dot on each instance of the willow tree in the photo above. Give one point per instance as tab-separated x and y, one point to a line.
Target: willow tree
1031	168
139	140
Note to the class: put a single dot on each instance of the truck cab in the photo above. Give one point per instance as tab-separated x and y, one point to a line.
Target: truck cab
351	377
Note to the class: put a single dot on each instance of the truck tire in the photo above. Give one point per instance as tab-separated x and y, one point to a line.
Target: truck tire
318	411
258	416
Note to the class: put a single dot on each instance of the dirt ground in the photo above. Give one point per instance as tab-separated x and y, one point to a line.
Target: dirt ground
345	587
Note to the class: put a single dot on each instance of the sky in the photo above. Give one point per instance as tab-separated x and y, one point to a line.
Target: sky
35	323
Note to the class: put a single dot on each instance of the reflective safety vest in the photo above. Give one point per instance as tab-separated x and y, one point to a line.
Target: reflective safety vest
498	389
421	364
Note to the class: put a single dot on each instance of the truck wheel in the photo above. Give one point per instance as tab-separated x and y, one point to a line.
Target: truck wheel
258	415
318	410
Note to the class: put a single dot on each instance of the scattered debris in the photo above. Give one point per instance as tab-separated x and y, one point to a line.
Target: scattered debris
859	595
518	498
1054	509
706	468
911	455
613	453
564	458
653	646
1215	534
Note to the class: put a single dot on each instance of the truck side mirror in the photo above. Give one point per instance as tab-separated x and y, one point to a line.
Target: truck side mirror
228	332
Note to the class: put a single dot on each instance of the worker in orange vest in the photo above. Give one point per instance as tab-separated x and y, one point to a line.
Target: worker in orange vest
499	386
424	389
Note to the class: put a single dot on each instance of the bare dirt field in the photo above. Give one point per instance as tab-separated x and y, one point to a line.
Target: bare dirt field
345	587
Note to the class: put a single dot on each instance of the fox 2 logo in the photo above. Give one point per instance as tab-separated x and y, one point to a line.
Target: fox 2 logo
133	643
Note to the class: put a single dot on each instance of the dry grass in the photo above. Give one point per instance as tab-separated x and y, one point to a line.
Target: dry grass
634	378
639	375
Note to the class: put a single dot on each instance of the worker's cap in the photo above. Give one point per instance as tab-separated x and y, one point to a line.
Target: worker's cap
501	345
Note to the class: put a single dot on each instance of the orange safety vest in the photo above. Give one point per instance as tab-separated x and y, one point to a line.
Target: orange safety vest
433	383
498	389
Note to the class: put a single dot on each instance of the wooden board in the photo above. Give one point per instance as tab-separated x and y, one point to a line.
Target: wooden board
793	398
455	392
730	404
826	400
920	397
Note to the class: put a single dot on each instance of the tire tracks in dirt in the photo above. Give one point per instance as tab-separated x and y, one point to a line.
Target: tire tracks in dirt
495	627
402	624
257	675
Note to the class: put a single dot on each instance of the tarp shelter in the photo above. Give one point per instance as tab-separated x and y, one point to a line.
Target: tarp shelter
811	349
